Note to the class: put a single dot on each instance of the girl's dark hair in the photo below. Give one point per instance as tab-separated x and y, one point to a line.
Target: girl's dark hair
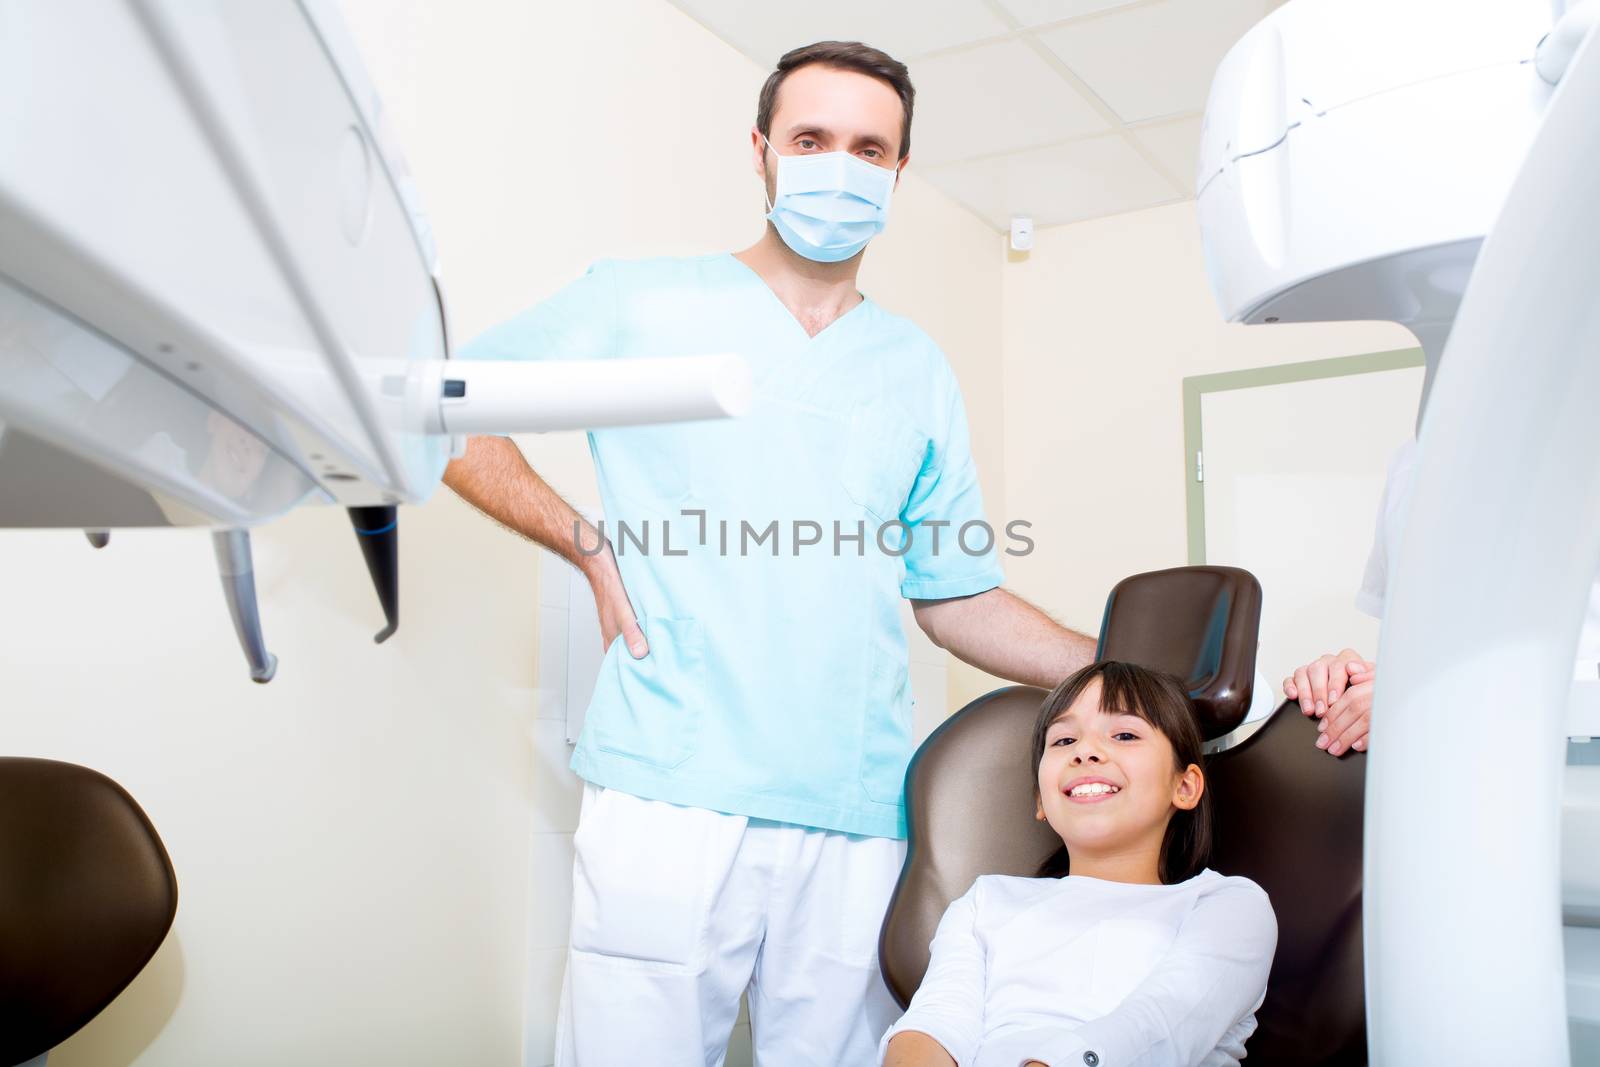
1160	700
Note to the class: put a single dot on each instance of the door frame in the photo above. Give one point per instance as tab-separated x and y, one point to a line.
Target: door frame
1198	385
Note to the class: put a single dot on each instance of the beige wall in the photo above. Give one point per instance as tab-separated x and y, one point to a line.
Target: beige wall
1102	321
354	841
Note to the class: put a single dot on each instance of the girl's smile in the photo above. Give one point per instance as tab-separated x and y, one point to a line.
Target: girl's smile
1090	789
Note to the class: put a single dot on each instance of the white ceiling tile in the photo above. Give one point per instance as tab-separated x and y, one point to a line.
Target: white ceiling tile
900	27
994	98
1055	185
1176	145
1154	59
1039	12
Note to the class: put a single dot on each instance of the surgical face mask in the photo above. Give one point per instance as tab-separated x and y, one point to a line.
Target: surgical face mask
829	204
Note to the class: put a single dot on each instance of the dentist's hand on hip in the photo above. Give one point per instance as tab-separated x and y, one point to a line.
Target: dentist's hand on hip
611	601
494	477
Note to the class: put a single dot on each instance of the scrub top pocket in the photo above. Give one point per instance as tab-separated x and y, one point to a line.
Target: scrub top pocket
654	714
882	457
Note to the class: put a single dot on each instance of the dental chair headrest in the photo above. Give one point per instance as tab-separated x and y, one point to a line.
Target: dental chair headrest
1198	623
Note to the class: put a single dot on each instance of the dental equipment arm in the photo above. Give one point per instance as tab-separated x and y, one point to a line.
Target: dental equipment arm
482	396
219	296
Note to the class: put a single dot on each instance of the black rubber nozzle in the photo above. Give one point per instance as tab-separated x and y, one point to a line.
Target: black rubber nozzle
377	529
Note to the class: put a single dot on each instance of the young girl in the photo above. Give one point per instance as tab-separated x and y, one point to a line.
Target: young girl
1139	954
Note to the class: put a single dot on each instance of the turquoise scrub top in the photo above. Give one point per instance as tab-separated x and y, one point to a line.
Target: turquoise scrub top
761	554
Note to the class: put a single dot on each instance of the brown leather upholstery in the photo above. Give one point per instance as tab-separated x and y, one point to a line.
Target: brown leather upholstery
1287	815
969	809
87	895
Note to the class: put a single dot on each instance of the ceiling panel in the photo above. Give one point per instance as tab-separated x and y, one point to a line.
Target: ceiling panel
994	98
1003	123
902	28
1154	59
1063	183
1038	12
1177	146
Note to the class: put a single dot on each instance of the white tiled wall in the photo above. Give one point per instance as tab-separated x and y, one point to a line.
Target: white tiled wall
554	818
554	808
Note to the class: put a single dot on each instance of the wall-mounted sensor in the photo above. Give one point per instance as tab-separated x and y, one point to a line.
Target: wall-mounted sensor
1021	233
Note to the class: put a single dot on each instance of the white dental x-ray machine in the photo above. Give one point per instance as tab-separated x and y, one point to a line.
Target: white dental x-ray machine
1437	163
219	299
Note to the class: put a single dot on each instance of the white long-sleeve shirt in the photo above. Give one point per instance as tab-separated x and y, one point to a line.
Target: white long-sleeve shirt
1080	972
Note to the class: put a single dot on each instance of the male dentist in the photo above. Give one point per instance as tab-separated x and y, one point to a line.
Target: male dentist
746	747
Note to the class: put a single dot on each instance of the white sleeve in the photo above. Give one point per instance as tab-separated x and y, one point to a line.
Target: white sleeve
1393	506
1214	976
948	1005
1375	581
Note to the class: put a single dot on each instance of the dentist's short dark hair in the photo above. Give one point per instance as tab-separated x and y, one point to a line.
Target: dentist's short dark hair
1160	700
840	55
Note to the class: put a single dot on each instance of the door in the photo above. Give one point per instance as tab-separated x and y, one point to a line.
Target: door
1290	469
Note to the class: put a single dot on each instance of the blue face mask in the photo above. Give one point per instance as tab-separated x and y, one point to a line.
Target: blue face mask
829	204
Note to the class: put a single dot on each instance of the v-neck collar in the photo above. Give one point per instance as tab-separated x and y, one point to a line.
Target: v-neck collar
806	338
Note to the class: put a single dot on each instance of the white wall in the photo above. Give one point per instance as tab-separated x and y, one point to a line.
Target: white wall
373	851
1102	322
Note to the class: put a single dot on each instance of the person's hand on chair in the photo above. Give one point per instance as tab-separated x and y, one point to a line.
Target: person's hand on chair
1338	690
1344	728
1322	681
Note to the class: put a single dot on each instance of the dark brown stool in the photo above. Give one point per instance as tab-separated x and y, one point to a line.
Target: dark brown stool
87	895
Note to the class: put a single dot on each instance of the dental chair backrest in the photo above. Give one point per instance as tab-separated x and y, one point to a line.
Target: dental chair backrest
1287	815
87	895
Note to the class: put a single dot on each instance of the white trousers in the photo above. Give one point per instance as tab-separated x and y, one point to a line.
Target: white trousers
676	911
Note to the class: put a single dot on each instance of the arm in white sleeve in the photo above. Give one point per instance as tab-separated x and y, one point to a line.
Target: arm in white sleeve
1392	506
948	1005
1375	579
1214	975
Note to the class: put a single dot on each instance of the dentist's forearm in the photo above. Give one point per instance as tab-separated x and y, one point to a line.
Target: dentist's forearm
1003	634
495	478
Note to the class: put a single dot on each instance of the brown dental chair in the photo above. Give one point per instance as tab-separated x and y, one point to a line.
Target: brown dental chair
87	895
1287	815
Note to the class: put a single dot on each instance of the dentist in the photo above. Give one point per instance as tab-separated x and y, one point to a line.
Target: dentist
745	751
